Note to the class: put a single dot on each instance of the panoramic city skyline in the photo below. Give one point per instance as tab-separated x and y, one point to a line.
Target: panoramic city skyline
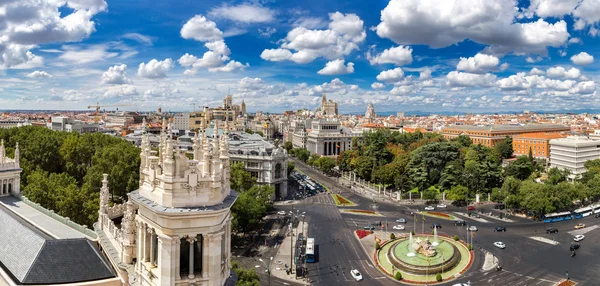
477	56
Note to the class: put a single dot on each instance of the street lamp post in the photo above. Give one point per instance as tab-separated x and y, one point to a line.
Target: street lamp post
268	266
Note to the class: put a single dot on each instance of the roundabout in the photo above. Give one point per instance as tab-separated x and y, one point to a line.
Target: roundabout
423	258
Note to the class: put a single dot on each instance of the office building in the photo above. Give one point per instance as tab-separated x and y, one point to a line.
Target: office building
572	152
492	134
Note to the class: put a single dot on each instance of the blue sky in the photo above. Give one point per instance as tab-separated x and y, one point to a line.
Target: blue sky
400	55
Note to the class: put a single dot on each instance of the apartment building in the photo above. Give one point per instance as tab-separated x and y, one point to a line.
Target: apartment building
492	134
572	152
539	143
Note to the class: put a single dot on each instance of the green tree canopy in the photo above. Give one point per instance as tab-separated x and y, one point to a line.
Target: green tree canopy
504	148
288	146
240	179
520	168
458	193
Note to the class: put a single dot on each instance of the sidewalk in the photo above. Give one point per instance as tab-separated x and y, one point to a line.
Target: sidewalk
282	257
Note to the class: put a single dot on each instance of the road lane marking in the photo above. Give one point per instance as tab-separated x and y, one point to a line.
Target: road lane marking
544	240
583	230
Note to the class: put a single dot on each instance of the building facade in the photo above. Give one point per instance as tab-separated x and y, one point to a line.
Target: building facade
181	121
61	123
491	135
572	152
11	123
10	172
327	138
370	115
539	143
176	229
265	161
328	108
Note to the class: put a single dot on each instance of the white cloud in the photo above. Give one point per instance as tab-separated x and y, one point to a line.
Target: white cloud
310	23
560	72
231	66
244	13
480	63
582	59
459	79
377	85
142	39
536	71
120	91
86	55
337	67
586	14
201	29
155	69
425	74
584	87
276	55
404	89
575	41
115	75
267	32
391	75
401	55
444	23
552	8
533	60
335	86
26	24
234	31
39	74
345	32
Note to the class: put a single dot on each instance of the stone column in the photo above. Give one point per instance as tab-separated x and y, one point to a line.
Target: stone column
151	254
146	243
191	240
140	246
205	256
166	257
177	257
215	258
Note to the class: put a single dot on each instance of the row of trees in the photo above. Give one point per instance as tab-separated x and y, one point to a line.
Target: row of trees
63	171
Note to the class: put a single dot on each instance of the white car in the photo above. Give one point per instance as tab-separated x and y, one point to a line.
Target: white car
500	244
398	227
429	208
281	212
472	228
579	237
441	206
356	275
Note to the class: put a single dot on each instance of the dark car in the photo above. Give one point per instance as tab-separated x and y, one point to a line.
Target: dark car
460	222
500	228
499	206
574	246
597	215
552	230
436	225
369	227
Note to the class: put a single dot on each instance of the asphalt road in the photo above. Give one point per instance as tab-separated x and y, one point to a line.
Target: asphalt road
525	261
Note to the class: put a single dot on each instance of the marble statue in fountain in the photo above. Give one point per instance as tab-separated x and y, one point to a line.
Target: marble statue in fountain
423	247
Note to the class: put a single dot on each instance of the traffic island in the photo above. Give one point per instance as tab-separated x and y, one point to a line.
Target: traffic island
360	212
440	215
341	201
423	259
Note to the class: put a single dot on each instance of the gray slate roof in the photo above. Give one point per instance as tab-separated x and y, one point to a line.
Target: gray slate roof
32	257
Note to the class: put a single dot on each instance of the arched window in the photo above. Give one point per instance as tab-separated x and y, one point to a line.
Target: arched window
278	171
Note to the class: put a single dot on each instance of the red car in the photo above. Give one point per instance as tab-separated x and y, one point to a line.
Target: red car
471	208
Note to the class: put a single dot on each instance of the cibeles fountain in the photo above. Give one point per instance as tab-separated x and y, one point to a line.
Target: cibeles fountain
419	256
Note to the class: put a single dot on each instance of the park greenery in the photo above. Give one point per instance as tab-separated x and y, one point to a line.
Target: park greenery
427	163
63	171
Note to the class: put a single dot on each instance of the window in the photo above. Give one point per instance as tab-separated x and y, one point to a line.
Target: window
278	171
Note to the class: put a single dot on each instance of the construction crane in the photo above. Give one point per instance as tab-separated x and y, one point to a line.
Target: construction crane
98	106
194	104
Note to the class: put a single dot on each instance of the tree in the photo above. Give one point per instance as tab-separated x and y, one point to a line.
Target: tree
530	155
556	175
260	133
240	179
245	277
504	148
251	206
458	193
520	168
325	164
249	131
288	146
302	154
312	159
363	166
463	140
290	167
430	194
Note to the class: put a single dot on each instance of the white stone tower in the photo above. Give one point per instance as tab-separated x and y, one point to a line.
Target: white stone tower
183	223
10	172
370	114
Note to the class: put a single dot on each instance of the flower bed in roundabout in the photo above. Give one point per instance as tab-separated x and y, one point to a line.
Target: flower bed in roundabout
439	215
360	212
342	202
397	249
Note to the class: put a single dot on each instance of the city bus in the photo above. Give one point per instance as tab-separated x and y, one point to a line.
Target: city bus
554	217
595	208
310	250
582	212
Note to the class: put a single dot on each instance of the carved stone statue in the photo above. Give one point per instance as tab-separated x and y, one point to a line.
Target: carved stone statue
424	247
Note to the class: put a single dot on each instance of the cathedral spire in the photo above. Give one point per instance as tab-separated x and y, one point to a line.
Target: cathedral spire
17	155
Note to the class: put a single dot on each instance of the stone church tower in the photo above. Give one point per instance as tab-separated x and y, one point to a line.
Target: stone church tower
176	229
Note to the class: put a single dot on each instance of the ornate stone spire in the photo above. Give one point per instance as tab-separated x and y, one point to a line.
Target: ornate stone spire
104	195
196	147
2	151
17	156
169	163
